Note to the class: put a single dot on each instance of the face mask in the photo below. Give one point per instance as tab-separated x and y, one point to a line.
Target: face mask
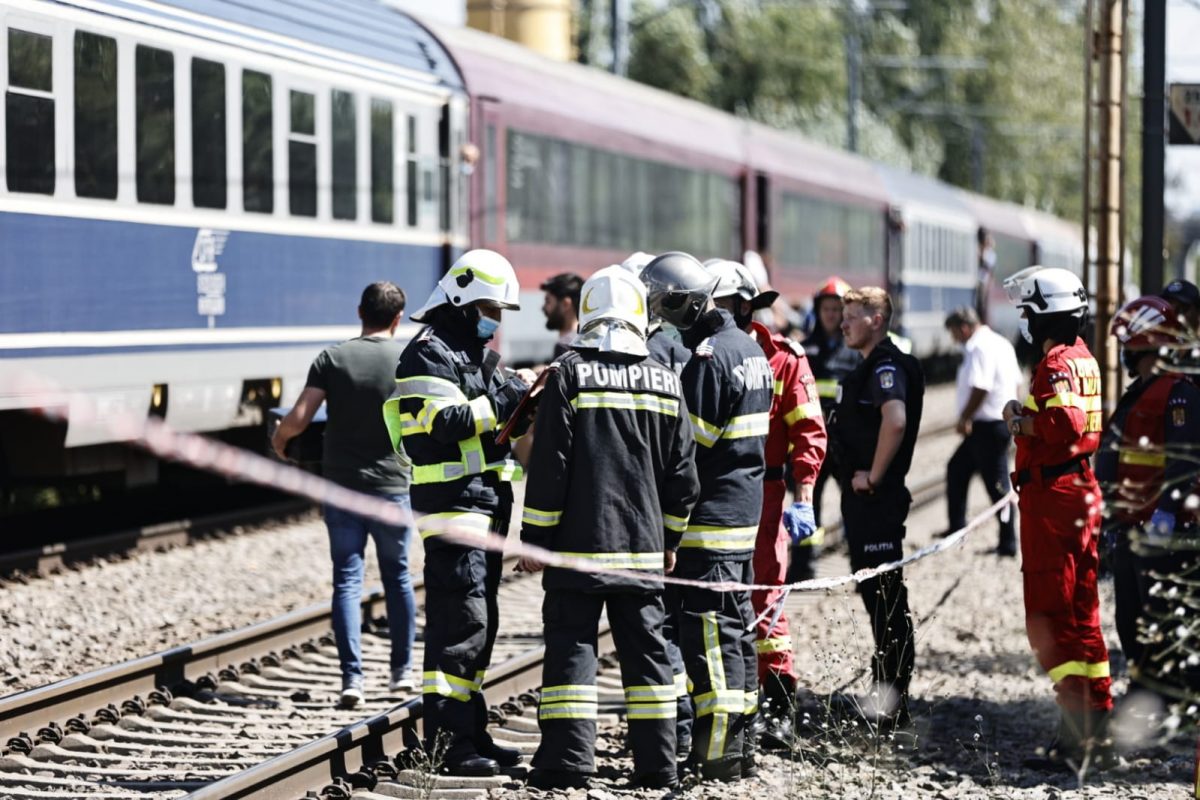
1023	324
485	327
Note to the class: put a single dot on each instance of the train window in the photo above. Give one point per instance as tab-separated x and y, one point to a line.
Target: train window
155	132
302	156
344	125
258	149
29	109
95	116
208	134
383	159
490	170
410	172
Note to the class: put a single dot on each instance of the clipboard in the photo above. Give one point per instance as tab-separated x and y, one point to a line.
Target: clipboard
526	406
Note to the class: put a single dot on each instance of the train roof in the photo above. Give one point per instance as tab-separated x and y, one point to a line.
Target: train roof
905	188
360	29
789	155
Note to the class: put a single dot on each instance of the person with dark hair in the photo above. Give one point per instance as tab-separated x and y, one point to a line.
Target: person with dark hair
1184	297
561	307
989	374
354	378
1058	430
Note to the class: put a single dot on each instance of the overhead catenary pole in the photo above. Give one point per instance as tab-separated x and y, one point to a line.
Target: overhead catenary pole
853	74
1154	46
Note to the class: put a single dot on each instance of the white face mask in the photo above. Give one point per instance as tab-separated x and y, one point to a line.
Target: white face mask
1023	324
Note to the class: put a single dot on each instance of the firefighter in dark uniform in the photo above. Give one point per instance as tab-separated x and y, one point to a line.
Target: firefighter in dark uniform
451	397
664	348
874	428
728	387
831	361
612	464
1147	469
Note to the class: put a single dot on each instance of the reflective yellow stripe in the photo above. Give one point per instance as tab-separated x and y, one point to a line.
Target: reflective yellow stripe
627	402
726	701
585	692
482	414
642	694
1031	404
452	686
778	388
816	540
506	470
479	676
750	703
1141	458
665	710
396	422
776	644
1081	669
804	411
716	538
567	711
539	518
706	433
677	524
1085	403
716	679
459	522
623	560
681	684
747	425
827	388
427	386
429	413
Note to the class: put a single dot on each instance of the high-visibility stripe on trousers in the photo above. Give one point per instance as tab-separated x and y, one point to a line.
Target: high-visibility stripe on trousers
461	583
774	642
717	642
569	698
1059	533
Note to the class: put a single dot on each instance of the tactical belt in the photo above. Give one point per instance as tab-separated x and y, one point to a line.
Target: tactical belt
1051	471
774	474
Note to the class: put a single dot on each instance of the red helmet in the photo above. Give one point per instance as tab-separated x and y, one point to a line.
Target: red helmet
834	287
1146	323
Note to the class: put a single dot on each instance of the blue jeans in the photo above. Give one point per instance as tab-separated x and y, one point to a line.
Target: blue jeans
347	542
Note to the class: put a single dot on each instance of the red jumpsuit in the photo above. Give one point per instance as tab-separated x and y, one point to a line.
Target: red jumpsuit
1060	506
797	427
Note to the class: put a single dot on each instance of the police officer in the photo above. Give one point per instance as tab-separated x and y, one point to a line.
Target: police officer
1057	429
451	396
797	433
831	361
875	426
612	459
728	388
1147	468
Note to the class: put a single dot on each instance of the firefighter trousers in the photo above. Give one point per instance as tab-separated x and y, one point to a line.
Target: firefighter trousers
569	699
1060	560
874	530
717	641
461	584
773	640
683	701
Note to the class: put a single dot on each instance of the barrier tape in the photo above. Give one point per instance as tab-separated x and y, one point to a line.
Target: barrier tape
200	452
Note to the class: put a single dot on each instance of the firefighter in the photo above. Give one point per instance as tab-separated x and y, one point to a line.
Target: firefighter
875	427
728	388
1147	469
663	347
797	431
612	464
831	361
451	398
1057	429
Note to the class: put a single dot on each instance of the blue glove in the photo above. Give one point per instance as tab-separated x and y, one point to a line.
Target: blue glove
1162	524
799	521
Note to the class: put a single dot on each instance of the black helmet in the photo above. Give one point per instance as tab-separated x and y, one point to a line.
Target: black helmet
677	288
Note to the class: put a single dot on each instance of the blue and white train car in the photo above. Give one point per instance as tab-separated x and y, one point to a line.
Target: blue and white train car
193	194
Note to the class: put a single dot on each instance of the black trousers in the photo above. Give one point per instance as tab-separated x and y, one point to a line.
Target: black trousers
984	452
683	701
717	641
567	712
874	528
461	620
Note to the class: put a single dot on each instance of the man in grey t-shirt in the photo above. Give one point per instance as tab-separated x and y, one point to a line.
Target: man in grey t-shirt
355	378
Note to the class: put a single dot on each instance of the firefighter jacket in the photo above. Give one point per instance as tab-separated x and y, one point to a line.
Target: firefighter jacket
612	468
728	387
450	400
831	361
666	350
886	374
797	424
1147	453
1064	401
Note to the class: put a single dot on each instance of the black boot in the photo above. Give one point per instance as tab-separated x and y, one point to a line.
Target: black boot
471	766
506	757
550	779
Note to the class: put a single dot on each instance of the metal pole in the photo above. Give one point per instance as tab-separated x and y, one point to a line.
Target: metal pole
619	33
1108	228
1154	46
853	73
1089	55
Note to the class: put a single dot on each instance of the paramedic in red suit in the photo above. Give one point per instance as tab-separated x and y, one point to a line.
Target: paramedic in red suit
1057	429
797	425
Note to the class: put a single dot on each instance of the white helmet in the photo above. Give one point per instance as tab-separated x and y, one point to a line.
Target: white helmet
477	276
1047	290
612	314
735	279
636	262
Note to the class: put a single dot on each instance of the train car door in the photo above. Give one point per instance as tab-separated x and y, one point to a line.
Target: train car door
894	260
455	163
762	207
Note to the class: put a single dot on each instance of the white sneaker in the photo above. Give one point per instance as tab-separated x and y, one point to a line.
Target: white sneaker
352	691
404	681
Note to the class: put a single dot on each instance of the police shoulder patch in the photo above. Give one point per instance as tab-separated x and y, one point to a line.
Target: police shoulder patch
887	377
1179	416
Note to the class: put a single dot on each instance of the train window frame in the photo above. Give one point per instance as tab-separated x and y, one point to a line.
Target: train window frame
264	185
217	197
153	188
343	204
88	161
302	143
412	170
27	98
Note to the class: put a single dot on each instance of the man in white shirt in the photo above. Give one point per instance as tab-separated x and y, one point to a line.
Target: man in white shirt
989	374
